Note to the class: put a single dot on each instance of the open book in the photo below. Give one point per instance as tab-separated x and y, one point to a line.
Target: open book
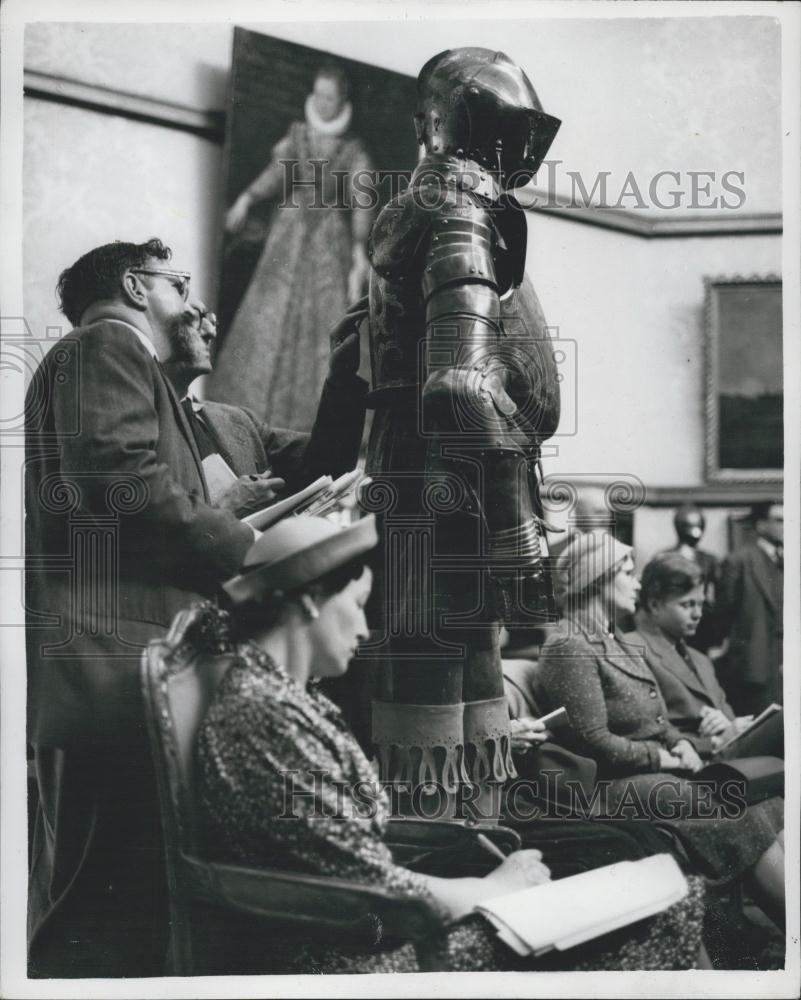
317	498
572	910
764	736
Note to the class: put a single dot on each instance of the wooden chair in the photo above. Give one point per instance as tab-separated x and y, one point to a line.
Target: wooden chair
206	895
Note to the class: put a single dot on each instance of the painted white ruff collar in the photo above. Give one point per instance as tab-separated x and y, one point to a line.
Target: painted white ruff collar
336	127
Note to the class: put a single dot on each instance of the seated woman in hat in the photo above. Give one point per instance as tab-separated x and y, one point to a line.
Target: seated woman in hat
279	771
619	718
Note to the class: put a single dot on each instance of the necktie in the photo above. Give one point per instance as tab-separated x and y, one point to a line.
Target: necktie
205	445
684	653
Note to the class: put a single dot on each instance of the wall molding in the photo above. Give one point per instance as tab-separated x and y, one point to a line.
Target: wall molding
634	224
211	125
723	495
206	124
626	493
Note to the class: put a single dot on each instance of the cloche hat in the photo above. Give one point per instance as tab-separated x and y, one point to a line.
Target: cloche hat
587	558
296	551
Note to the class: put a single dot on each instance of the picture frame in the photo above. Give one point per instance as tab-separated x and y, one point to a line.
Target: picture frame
270	79
743	392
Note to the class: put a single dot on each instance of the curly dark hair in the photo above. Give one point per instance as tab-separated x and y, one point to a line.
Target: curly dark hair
97	274
668	575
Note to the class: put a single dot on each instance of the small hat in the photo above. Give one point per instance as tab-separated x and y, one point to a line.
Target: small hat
588	557
297	551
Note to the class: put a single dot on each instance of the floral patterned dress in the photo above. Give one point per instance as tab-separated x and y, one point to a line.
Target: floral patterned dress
269	748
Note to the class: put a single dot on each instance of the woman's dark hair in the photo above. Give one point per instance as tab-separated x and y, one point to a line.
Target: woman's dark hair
97	275
337	74
668	575
257	614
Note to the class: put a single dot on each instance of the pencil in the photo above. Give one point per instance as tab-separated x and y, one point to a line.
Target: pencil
488	845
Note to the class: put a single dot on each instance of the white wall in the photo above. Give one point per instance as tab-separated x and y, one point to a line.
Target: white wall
634	307
653	531
92	178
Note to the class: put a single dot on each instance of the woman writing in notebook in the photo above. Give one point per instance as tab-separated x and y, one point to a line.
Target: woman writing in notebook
296	616
619	718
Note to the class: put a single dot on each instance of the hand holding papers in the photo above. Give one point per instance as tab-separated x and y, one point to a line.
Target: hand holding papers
239	494
318	498
763	736
572	910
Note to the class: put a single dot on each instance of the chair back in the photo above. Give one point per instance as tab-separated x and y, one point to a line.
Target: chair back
522	686
178	685
222	915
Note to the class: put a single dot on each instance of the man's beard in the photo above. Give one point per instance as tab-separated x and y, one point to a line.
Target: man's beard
188	352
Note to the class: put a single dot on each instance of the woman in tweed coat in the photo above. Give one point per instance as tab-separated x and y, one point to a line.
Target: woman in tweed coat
618	718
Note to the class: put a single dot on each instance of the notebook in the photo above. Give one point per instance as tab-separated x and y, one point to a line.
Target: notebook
573	910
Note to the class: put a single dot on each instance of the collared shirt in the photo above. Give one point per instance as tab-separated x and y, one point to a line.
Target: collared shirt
197	404
146	342
203	439
770	550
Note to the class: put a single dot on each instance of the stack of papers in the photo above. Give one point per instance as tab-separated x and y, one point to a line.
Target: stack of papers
318	498
573	910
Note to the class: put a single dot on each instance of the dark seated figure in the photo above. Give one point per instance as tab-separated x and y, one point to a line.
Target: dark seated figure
284	784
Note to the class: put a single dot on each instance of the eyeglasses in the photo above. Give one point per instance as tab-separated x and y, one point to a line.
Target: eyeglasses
183	277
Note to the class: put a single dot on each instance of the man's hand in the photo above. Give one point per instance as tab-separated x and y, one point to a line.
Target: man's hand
344	341
734	729
250	493
688	756
713	721
526	733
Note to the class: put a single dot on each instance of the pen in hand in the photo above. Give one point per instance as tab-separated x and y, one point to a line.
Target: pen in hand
488	846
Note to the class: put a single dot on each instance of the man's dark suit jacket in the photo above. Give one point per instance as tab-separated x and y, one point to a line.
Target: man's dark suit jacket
751	595
685	691
120	534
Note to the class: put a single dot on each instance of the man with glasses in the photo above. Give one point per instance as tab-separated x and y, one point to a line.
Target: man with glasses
121	533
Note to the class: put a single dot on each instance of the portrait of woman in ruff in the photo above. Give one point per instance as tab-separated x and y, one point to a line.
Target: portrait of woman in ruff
297	215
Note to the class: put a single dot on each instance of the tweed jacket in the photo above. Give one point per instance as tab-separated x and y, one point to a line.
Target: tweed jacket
617	714
120	533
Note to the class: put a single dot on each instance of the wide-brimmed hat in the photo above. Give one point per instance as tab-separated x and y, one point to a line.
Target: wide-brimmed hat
297	551
587	558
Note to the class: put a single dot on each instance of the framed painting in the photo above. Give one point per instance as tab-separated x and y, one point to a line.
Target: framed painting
271	80
315	145
744	386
